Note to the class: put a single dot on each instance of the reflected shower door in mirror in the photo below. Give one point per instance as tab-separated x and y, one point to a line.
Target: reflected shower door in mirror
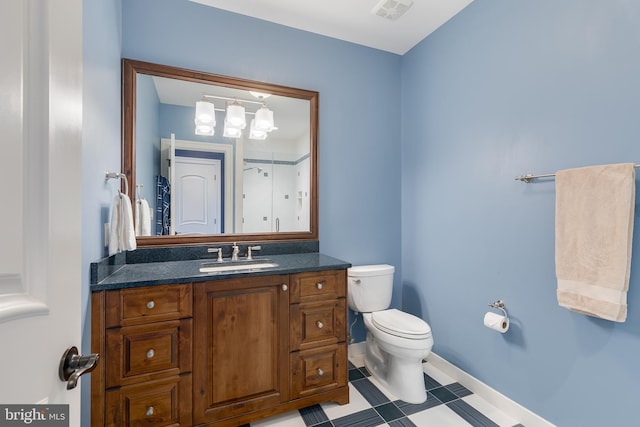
205	180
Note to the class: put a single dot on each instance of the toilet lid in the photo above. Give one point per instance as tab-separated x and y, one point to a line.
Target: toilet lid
401	324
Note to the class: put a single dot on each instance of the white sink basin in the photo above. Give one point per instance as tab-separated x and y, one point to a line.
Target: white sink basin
217	268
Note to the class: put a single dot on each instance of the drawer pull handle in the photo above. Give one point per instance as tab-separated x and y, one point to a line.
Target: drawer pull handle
284	287
150	411
151	304
319	285
320	325
151	353
320	372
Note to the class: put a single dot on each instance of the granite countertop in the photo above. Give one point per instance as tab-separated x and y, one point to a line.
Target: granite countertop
171	272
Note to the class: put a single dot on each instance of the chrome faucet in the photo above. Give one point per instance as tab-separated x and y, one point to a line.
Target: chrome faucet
214	250
249	249
234	253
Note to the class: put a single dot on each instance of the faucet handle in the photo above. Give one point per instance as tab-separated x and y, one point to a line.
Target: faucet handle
249	249
218	250
234	252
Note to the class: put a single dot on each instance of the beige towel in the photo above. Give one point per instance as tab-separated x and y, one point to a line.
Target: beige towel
594	232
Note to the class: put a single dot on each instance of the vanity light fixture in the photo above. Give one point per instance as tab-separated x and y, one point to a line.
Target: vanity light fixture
235	118
231	131
256	133
205	118
264	119
205	130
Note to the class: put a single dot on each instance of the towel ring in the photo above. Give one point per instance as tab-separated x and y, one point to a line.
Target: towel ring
117	175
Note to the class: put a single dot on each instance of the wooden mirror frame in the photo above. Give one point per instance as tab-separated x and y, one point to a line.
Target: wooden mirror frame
130	68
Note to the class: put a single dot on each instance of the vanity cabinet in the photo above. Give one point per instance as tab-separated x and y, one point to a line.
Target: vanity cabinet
318	360
144	338
240	341
221	352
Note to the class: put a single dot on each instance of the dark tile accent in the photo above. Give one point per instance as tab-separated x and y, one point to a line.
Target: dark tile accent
458	389
389	411
365	371
355	374
402	422
470	414
313	415
519	425
443	394
370	392
326	424
351	365
366	418
411	408
245	425
430	383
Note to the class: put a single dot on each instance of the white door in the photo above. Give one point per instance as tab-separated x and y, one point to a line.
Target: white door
40	172
196	192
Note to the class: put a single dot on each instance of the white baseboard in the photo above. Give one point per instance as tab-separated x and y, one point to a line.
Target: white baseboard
492	396
357	349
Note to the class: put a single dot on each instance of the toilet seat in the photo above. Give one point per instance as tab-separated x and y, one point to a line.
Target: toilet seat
401	324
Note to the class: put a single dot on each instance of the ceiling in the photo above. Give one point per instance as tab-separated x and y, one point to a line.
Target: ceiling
351	20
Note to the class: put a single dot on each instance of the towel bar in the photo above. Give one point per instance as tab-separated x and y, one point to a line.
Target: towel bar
529	177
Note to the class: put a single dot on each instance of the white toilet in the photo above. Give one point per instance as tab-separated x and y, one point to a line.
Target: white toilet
397	342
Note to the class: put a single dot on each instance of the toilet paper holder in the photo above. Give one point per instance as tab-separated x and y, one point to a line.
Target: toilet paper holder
500	305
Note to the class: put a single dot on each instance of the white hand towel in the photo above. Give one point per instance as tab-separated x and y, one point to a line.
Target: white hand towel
121	232
114	226
594	232
128	242
143	218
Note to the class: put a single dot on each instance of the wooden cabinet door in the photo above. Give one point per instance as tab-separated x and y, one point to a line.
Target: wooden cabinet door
240	346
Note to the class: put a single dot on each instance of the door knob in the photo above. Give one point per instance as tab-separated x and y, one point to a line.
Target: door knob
72	366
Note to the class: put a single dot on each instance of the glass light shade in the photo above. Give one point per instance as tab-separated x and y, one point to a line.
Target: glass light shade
264	119
235	116
231	131
204	129
256	133
205	113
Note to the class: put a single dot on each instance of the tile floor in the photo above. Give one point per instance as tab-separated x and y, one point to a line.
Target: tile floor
449	404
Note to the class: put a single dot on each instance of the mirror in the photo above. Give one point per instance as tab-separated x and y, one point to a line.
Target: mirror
226	187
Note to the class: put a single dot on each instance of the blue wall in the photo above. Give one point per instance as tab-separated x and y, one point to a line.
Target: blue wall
102	29
506	88
359	136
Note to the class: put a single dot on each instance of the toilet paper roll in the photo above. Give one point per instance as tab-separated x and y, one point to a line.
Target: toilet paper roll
496	321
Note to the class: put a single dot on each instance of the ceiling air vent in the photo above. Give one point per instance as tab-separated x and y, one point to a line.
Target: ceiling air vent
392	9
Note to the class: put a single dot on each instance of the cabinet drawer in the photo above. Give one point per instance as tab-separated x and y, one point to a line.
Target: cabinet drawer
143	352
147	304
316	324
319	369
155	403
314	286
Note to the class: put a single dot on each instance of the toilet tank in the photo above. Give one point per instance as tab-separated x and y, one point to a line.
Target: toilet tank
370	287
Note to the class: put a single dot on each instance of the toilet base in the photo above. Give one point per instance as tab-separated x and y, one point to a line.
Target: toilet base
403	378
